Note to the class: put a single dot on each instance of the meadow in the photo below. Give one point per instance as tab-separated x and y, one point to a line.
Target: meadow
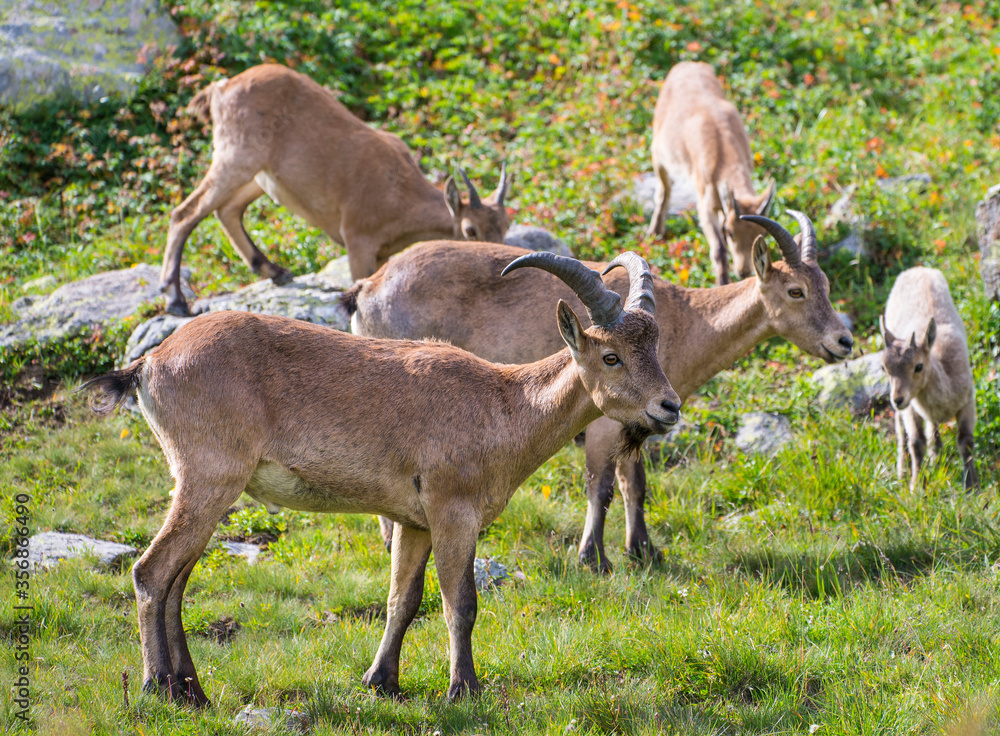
809	592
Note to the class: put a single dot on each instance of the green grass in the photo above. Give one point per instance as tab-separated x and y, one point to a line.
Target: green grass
809	589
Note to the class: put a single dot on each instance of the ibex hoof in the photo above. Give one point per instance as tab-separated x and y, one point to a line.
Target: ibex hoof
282	276
381	682
596	562
645	553
178	308
462	688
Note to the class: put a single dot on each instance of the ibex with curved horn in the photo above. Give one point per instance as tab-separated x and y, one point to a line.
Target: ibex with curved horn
698	136
277	131
430	436
702	332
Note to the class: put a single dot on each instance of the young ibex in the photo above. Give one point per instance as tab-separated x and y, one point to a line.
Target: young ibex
277	131
703	331
927	358
424	433
698	135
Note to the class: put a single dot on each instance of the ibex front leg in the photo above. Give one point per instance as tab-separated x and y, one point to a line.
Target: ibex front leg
410	550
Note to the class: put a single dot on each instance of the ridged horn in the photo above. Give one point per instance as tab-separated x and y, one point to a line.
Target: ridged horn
807	247
502	186
640	282
474	200
603	305
789	248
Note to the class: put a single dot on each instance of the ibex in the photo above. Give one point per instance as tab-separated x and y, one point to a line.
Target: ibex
424	433
698	135
277	131
927	358
703	331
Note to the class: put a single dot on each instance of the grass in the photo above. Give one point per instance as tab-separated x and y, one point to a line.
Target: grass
810	592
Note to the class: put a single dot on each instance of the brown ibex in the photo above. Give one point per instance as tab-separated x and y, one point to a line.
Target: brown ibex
930	379
277	131
703	331
698	135
424	433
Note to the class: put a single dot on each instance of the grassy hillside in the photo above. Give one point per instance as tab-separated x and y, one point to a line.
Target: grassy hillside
807	593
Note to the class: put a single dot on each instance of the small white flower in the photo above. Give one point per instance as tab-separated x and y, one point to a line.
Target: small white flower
683	592
814	728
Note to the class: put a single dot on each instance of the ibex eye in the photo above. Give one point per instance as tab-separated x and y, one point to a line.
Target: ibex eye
795	293
611	359
918	367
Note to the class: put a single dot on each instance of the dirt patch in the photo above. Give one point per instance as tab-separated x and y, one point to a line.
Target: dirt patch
223	630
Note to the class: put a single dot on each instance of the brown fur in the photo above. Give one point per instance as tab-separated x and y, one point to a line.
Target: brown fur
698	135
424	433
702	331
277	131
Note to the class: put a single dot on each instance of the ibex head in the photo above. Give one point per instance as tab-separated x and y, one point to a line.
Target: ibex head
484	220
905	361
796	292
739	232
615	358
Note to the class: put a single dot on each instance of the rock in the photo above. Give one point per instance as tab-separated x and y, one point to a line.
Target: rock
246	550
763	433
489	573
48	548
94	302
312	298
906	181
338	273
262	719
682	194
843	210
88	49
853	244
859	385
530	237
988	230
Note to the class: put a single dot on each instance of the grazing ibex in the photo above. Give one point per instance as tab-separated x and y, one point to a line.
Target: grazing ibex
424	433
927	358
698	135
277	131
703	331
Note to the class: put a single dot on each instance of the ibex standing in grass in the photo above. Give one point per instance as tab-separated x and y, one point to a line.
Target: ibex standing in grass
698	135
927	358
424	433
703	331
277	131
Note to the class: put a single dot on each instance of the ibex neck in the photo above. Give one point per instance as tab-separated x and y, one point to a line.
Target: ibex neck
722	325
550	407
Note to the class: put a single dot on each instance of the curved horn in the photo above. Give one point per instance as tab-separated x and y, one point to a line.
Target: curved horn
784	239
640	282
603	305
502	186
474	200
807	247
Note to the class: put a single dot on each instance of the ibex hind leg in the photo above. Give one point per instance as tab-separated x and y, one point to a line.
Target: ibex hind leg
632	483
600	442
160	576
661	200
230	216
224	179
966	421
386	527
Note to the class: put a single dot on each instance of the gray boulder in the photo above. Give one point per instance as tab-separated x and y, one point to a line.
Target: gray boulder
312	298
84	48
247	551
531	237
48	548
988	230
859	385
763	433
682	194
79	307
337	273
489	573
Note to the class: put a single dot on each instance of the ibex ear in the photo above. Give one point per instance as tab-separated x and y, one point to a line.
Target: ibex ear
570	328
761	257
765	206
886	335
931	334
503	187
452	197
726	199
